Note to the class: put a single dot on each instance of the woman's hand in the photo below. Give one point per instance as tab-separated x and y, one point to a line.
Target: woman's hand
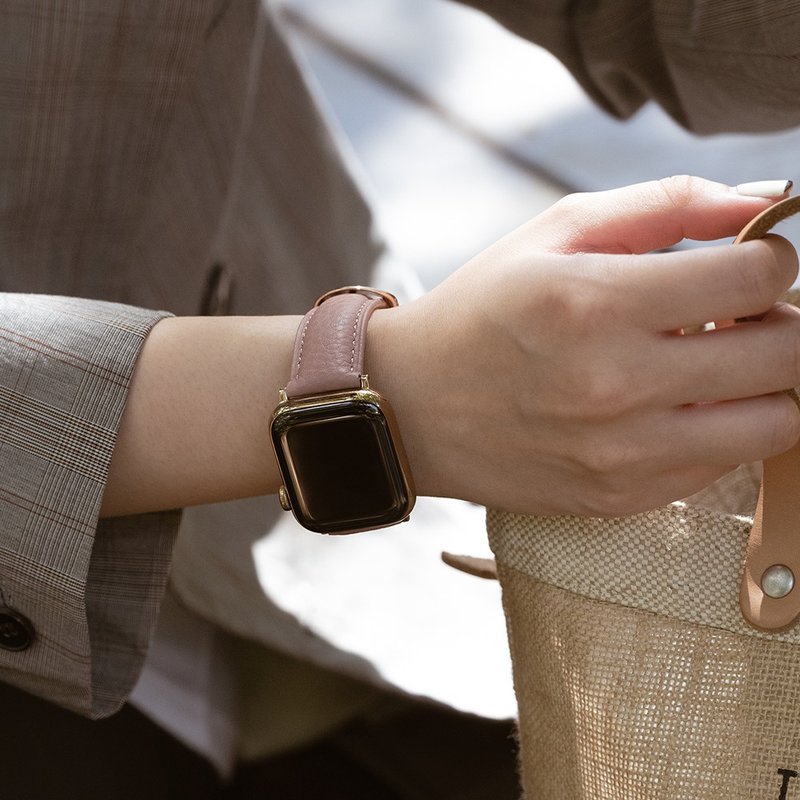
549	375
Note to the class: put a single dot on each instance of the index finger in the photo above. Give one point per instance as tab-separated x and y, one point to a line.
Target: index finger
647	216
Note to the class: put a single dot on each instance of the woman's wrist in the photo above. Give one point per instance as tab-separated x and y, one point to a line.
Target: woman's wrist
397	362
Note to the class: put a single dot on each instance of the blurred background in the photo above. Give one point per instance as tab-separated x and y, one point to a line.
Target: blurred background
461	130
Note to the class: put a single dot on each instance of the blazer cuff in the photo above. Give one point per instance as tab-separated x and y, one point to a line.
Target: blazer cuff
89	589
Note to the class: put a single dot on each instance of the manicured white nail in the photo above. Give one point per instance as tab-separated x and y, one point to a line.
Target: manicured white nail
764	188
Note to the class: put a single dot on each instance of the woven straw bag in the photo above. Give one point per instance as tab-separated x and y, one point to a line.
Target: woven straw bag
640	672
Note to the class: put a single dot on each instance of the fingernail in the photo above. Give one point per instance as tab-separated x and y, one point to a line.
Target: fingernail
764	188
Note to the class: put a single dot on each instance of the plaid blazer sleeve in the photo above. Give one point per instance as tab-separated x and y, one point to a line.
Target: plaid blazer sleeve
714	65
89	589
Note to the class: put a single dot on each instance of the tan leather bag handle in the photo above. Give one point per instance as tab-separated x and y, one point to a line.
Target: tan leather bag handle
769	593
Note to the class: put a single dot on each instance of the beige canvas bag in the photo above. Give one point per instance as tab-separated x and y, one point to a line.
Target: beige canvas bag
639	674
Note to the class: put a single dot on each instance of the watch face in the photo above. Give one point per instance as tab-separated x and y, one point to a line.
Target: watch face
340	464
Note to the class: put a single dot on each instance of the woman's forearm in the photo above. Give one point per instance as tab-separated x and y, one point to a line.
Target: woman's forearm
196	424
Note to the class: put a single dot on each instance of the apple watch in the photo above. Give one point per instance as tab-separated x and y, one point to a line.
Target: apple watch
336	440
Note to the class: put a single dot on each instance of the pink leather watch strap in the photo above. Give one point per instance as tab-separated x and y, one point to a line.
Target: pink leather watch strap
774	543
329	348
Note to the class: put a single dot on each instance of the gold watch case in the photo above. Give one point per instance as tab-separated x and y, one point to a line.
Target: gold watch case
342	461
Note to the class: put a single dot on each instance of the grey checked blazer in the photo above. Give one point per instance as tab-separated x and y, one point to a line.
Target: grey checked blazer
168	154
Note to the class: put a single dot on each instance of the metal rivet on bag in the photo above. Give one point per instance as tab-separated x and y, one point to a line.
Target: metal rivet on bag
777	581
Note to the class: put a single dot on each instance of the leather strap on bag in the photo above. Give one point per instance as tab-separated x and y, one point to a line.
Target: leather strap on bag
769	594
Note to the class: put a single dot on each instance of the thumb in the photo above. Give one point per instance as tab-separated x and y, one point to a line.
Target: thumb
651	216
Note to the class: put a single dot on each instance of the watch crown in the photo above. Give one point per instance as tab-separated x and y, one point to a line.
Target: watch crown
283	498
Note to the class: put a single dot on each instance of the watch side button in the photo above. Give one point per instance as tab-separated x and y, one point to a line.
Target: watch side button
283	498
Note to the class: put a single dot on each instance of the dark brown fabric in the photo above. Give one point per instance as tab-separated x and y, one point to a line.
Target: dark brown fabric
416	752
48	753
